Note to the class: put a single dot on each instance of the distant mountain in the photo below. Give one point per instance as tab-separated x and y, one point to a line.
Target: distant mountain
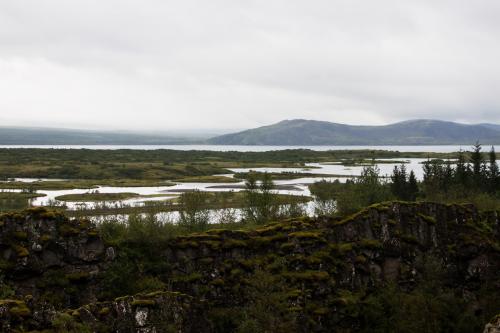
492	126
49	136
411	132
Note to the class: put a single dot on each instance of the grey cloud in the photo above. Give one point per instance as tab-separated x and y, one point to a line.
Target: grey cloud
221	64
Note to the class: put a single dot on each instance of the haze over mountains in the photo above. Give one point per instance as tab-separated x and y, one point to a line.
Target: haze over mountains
298	132
411	132
51	136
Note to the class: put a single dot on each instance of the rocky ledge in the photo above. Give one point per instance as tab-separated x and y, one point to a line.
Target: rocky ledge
317	274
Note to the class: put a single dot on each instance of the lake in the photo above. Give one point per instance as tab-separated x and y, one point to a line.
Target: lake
433	148
297	186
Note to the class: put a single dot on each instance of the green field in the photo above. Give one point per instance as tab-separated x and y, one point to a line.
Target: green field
104	167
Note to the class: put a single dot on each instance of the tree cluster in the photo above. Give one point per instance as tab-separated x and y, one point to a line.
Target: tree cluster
472	173
404	186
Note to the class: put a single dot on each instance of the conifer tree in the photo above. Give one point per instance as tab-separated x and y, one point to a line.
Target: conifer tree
493	172
478	168
412	187
461	169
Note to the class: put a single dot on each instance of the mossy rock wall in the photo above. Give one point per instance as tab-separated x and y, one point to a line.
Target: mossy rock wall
318	267
154	312
48	256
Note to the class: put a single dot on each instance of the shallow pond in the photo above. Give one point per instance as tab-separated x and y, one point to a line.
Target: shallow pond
292	186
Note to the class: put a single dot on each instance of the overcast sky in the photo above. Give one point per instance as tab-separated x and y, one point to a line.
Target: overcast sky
147	64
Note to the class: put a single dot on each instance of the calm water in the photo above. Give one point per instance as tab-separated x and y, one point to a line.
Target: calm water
300	185
436	149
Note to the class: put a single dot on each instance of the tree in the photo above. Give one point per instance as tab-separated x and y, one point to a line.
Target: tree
260	206
461	169
194	214
325	195
398	184
412	187
493	171
478	167
367	189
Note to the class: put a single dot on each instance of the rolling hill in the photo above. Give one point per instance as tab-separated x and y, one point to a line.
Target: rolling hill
411	132
52	136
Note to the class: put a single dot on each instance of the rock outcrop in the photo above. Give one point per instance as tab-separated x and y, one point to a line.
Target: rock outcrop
154	312
493	326
51	258
314	269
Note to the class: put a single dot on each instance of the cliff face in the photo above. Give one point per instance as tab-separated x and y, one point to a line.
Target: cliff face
51	258
311	272
327	265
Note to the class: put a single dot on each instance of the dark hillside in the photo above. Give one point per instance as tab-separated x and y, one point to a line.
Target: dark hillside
412	132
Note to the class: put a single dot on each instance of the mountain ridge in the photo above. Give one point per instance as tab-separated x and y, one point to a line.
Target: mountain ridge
61	136
409	132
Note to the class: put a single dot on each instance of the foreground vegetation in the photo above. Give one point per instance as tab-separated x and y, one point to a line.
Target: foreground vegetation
294	275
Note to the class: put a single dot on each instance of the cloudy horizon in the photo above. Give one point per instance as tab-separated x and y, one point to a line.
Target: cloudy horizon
164	65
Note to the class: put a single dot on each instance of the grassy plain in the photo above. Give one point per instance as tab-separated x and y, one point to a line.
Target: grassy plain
85	168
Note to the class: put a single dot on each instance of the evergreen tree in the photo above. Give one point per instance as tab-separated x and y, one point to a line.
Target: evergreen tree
427	168
412	187
493	172
478	167
398	182
461	169
447	177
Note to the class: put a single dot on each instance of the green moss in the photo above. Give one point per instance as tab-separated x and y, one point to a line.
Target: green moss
49	215
77	276
234	243
184	244
143	302
67	230
20	311
361	259
5	265
104	311
16	308
189	278
214	245
294	293
321	311
21	251
205	237
342	248
307	235
427	218
217	282
236	272
21	235
286	247
206	261
306	259
392	222
271	228
410	239
372	244
45	238
260	242
308	275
